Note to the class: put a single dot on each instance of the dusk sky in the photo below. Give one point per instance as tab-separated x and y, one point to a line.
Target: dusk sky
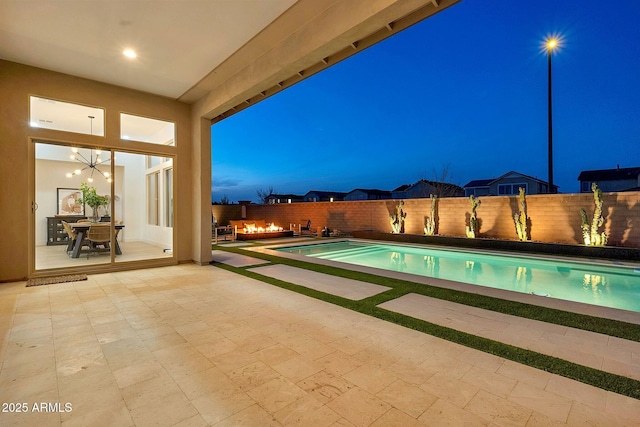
465	90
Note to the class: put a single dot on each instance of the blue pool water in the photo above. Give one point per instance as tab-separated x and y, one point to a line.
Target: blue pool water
604	285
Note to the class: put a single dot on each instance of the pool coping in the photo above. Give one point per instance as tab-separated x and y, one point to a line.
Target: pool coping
542	301
618	253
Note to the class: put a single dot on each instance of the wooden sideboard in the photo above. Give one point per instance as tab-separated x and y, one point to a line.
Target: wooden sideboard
55	231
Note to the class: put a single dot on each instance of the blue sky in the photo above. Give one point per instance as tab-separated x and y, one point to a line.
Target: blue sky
465	90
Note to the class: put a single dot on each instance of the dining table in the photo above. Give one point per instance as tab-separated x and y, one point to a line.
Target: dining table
82	228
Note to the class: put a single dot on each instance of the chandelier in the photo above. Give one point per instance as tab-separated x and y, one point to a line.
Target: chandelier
91	163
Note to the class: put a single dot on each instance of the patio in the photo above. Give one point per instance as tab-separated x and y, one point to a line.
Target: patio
191	345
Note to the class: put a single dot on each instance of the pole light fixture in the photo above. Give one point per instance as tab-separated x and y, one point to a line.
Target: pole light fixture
551	44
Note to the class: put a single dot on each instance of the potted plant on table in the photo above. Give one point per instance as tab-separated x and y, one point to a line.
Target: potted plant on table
90	197
107	209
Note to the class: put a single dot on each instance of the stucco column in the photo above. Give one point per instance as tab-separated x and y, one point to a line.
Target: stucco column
201	190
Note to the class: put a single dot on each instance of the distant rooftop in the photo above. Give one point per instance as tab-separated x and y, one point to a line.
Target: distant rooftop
609	174
479	183
372	191
488	182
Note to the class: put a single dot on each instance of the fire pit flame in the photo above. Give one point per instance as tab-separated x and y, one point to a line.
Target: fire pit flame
254	229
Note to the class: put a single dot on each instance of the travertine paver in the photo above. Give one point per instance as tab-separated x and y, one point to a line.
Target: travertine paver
198	345
346	288
586	348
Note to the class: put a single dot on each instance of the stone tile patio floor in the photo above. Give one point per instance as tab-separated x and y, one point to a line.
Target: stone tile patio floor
190	346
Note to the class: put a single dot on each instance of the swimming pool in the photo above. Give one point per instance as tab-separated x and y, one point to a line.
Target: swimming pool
585	282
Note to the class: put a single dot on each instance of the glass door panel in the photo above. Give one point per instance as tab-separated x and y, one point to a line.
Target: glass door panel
61	174
140	193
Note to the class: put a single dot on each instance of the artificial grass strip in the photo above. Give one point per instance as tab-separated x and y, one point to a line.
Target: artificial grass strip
597	378
615	328
607	381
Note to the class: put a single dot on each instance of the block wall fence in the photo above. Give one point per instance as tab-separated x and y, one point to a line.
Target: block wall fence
554	218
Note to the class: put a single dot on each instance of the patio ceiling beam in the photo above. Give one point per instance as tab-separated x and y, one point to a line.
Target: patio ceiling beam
331	31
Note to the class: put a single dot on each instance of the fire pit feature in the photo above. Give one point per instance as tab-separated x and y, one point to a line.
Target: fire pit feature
264	235
250	229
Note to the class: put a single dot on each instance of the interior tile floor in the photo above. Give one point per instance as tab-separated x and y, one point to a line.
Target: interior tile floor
195	345
56	256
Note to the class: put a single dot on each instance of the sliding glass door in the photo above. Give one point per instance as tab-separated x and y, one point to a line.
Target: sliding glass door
97	207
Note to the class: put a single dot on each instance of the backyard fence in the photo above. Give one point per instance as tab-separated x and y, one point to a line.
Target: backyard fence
554	218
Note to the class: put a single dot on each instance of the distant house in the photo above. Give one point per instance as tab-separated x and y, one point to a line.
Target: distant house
619	179
324	196
399	193
425	188
273	199
507	185
367	194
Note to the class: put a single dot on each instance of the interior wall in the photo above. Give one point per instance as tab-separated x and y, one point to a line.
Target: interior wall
158	235
133	196
17	183
50	175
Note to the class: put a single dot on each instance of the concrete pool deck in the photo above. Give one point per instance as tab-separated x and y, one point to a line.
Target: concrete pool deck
555	303
199	345
345	288
609	354
236	260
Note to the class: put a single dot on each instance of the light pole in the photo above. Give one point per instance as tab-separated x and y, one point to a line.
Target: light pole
551	44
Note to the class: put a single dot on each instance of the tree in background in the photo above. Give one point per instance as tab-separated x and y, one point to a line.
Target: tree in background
263	194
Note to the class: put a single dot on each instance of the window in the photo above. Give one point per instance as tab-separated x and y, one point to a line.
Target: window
153	161
585	186
144	129
65	116
510	189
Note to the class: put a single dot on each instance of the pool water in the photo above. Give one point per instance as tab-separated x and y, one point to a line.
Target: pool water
603	285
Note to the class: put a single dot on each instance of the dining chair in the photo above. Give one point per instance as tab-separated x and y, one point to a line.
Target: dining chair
99	234
73	235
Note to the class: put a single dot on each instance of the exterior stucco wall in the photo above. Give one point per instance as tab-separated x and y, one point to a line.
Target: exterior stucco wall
555	218
17	83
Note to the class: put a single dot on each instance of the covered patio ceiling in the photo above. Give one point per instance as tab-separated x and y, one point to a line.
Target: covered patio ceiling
177	42
220	55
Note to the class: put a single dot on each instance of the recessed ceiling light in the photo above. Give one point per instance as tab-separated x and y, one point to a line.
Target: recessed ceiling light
129	53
